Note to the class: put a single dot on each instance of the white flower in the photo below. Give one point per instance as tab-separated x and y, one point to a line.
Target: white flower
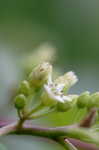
67	80
54	91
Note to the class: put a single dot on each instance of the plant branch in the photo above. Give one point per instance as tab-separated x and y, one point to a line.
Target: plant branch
51	133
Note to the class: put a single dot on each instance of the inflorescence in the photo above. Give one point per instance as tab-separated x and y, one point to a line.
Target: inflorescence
39	92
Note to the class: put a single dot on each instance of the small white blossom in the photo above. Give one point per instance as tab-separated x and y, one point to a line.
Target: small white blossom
67	80
54	91
54	94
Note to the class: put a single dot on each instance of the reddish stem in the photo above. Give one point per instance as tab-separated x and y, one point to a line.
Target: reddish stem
77	143
82	145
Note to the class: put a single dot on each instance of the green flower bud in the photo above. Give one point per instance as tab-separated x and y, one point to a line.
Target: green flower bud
83	100
63	107
94	100
73	99
24	88
68	103
20	101
40	75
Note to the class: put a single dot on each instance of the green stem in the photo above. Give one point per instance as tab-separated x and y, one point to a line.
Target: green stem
53	133
19	114
42	114
37	108
77	133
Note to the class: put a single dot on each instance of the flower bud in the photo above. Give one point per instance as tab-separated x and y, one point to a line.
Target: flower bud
40	75
69	102
20	101
63	107
83	100
94	100
24	88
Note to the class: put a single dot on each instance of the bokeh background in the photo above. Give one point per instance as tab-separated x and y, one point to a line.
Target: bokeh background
71	28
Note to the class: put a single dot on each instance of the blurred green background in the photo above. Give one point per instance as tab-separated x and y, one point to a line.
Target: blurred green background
72	28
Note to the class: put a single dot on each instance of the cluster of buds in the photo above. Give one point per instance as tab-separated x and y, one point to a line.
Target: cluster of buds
28	88
88	100
23	93
53	94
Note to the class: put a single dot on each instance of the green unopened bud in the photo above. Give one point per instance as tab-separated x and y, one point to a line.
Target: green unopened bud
67	104
83	100
73	99
94	100
40	75
24	88
63	107
20	101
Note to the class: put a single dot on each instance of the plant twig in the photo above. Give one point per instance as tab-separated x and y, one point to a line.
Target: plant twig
46	132
51	133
